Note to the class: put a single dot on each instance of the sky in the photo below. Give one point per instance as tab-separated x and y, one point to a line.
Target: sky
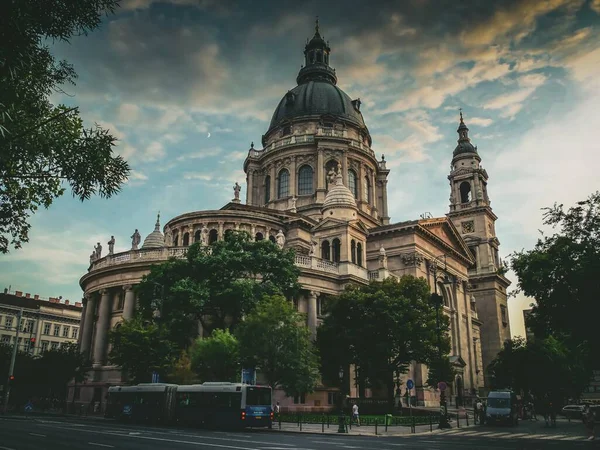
187	85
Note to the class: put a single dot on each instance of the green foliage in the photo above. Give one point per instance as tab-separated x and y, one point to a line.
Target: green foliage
544	366
181	372
216	285
274	339
141	348
561	274
381	328
440	370
216	358
42	145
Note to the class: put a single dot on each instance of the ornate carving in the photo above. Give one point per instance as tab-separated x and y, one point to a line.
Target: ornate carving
413	259
128	287
468	226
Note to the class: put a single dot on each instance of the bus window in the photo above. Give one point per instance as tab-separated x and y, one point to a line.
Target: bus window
256	396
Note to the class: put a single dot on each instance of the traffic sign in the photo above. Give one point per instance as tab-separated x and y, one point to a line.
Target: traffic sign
410	384
28	407
442	386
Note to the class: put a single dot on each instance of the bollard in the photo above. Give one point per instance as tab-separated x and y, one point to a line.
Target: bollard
279	420
430	422
467	417
300	425
413	426
457	420
327	420
386	424
323	425
375	427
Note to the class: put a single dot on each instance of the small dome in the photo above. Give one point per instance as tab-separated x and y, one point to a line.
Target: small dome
156	238
339	196
464	147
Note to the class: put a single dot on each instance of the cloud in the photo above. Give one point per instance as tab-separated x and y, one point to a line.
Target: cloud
128	113
154	151
197	176
137	178
512	103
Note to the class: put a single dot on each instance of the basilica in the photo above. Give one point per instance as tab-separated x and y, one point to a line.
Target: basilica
316	185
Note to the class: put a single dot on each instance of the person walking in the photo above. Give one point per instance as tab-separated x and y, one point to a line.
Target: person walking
590	422
355	416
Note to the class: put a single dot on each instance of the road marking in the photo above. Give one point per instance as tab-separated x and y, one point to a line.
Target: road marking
101	445
6	448
35	434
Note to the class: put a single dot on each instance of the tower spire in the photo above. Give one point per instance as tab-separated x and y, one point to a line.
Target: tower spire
316	60
157	225
317	26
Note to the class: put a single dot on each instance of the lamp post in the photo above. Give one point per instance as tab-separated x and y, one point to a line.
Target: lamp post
438	301
341	420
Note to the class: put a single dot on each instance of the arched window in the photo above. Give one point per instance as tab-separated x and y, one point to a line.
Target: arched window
120	301
367	190
283	184
305	180
359	254
176	241
259	237
335	249
272	239
325	250
465	192
445	294
197	236
353	250
352	185
330	166
213	236
319	57
186	239
267	189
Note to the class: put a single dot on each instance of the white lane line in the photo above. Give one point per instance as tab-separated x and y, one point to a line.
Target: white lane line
6	448
101	445
36	434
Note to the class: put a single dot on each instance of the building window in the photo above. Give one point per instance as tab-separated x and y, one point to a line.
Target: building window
120	302
283	184
197	236
45	346
336	247
29	328
47	328
22	325
176	241
465	192
332	398
359	254
56	330
66	331
267	189
325	250
259	237
5	339
503	315
305	180
352	185
272	239
54	346
9	322
75	332
353	250
213	236
186	239
366	190
299	399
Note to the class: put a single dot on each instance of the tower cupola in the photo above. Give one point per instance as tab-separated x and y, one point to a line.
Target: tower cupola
316	60
464	142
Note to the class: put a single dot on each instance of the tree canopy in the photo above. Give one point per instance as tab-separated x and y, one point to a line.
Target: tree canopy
561	274
381	328
274	339
43	146
216	285
216	358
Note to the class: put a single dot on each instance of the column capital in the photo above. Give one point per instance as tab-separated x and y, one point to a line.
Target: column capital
103	292
128	287
314	294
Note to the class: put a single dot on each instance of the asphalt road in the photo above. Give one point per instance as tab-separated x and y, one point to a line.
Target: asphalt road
62	434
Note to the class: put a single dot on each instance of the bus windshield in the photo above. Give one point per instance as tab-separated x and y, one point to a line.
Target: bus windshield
258	396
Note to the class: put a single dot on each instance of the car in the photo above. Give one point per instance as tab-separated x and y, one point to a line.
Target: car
573	411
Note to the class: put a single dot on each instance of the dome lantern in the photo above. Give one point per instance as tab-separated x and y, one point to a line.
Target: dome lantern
316	60
156	238
464	142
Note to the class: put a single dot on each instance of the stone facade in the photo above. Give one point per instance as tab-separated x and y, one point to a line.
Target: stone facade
317	182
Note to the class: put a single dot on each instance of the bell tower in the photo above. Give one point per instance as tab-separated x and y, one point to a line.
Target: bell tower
471	213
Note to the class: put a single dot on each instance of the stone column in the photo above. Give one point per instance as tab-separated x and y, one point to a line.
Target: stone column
101	342
384	207
129	306
249	187
273	186
293	183
312	313
345	168
320	170
88	324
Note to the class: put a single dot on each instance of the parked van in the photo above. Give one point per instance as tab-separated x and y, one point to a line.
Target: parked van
502	408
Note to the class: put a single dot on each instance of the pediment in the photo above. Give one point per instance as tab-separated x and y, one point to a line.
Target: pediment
444	230
457	361
329	223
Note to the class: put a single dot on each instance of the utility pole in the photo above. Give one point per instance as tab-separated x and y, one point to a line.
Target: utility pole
11	370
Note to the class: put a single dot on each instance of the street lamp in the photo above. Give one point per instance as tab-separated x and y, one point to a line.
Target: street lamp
341	420
438	301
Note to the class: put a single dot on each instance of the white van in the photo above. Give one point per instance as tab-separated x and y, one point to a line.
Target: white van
502	408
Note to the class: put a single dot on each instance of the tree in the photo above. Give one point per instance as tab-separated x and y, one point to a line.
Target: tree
541	367
60	366
440	370
141	348
274	339
42	145
181	372
561	274
216	285
216	358
381	328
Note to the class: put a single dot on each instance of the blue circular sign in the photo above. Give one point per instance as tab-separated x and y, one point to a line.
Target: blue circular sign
410	384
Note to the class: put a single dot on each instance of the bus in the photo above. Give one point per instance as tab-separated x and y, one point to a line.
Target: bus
146	402
211	404
216	404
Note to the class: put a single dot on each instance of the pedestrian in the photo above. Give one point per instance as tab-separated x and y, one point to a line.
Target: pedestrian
355	416
276	410
478	411
590	422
